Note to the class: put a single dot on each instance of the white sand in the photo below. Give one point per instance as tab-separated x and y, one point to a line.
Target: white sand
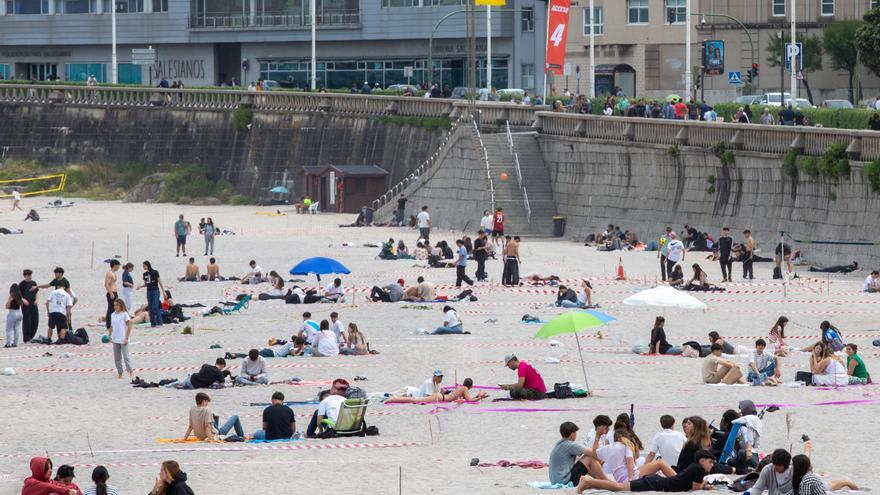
83	412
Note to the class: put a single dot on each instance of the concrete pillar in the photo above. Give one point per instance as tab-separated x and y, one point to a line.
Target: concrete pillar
51	7
99	6
2	8
253	13
148	6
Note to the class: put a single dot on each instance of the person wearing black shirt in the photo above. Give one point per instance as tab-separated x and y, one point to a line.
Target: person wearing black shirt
689	479
658	344
874	122
153	283
565	294
30	311
401	209
278	420
480	255
205	377
725	244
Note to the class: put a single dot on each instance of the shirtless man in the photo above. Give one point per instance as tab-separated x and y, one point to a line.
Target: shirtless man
213	270
110	288
459	393
749	246
192	272
510	275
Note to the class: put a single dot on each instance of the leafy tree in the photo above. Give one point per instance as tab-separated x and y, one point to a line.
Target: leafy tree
839	40
811	58
868	40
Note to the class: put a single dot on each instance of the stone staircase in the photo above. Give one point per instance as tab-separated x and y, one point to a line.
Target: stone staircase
535	181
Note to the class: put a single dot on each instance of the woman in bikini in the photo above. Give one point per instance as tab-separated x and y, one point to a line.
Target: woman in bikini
459	393
777	336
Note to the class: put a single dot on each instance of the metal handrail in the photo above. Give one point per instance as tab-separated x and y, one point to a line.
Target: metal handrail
527	205
486	160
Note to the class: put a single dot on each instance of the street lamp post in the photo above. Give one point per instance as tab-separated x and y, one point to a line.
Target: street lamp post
592	53
793	54
313	7
687	51
114	73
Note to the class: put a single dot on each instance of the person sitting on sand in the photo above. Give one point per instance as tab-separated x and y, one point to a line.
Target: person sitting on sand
425	290
667	442
451	323
253	370
826	367
325	342
676	277
171	481
764	367
40	481
872	282
279	422
388	293
699	281
805	482
204	425
566	297
658	344
212	271
749	437
403	251
277	348
192	272
618	459
570	460
277	281
855	366
777	337
255	276
309	328
334	292
726	347
456	394
100	476
718	370
64	477
601	434
698	438
388	251
685	481
530	385
355	343
206	376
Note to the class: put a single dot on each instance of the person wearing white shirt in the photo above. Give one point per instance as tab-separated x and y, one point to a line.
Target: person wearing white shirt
452	323
423	221
120	333
872	282
486	222
309	328
337	327
675	252
58	305
333	292
667	443
16	200
431	386
601	431
324	343
253	370
255	276
331	403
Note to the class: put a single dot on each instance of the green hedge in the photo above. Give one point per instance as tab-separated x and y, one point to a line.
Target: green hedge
838	118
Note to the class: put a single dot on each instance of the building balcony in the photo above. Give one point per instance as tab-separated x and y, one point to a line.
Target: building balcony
343	19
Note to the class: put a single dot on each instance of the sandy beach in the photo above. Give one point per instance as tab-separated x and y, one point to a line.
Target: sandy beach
76	409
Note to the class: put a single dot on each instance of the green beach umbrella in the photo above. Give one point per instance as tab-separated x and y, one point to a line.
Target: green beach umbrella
574	322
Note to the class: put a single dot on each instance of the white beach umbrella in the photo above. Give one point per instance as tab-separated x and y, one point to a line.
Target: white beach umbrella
664	297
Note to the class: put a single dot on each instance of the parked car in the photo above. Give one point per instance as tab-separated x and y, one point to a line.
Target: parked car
270	85
837	104
772	99
512	92
400	88
800	103
748	99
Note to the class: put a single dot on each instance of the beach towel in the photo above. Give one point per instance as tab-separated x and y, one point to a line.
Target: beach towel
278	440
522	464
188	440
546	485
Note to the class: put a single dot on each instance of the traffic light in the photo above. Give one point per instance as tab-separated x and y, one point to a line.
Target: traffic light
698	80
755	70
750	75
670	16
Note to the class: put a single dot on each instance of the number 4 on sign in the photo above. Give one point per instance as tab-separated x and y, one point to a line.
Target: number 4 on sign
556	37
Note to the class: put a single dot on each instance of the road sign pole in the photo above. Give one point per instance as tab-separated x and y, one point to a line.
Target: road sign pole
794	56
114	74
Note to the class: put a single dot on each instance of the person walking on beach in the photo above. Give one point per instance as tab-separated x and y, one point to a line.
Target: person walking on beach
510	275
480	255
154	284
424	223
209	231
725	245
127	285
181	229
461	265
662	251
14	303
30	311
748	257
675	252
16	200
119	331
498	227
110	287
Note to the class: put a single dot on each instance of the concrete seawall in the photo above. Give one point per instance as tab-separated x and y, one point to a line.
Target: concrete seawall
642	188
277	144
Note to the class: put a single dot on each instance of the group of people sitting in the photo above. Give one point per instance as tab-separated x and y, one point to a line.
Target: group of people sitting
614	239
566	297
699	280
170	480
192	272
613	458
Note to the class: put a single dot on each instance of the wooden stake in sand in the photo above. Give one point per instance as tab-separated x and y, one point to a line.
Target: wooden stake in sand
93	255
126	247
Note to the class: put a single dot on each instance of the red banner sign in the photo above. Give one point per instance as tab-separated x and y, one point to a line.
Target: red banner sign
557	34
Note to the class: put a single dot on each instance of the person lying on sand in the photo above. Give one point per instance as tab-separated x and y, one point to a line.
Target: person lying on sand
456	394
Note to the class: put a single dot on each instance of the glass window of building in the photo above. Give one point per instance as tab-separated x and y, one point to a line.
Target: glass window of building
680	7
400	3
528	76
129	6
527	19
73	6
875	4
27	7
638	11
827	7
779	8
128	73
598	20
4	72
160	5
81	72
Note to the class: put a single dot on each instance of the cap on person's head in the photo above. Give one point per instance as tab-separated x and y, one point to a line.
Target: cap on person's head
508	358
703	454
747	408
438	372
65	471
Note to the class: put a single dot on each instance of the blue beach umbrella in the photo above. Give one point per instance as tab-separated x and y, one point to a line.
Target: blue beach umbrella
319	266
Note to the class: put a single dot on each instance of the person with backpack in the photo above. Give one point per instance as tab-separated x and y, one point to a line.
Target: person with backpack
828	335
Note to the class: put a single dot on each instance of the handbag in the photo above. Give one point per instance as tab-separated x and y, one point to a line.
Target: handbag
562	390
